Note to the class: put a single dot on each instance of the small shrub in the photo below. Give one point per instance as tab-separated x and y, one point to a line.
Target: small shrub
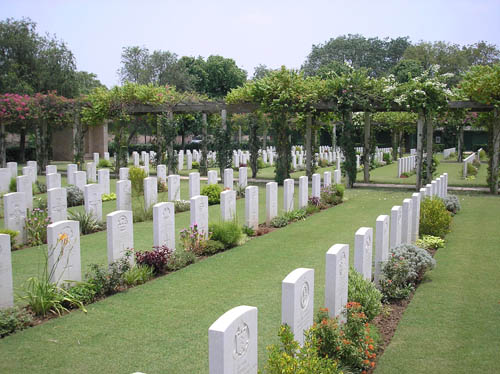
248	231
476	163
182	205
228	233
107	280
471	169
162	186
332	194
213	192
104	164
40	187
13	319
40	203
261	164
434	166
434	218
83	292
195	165
365	293
180	259
279	221
137	275
36	226
136	176
13	185
323	163
430	242
139	211
315	201
387	158
194	240
482	155
13	234
88	222
74	196
213	246
452	204
295	215
311	209
108	196
156	259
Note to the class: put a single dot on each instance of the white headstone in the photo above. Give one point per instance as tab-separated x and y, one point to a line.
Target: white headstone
12	166
194	184
228	205
135	157
124	195
189	161
80	179
63	243
381	246
199	213
161	173
6	285
124	174
70	170
174	187
57	204
25	186
327	176
337	176
164	225
5	177
363	252
303	191
232	342
406	233
150	191
103	175
252	207
96	158
53	180
50	169
336	279
14	207
396	223
212	177
93	200
288	192
106	156
120	235
228	178
415	219
243	177
445	184
34	170
271	201
91	172
297	301
316	185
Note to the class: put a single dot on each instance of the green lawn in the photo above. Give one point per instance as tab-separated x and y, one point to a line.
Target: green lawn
162	326
452	325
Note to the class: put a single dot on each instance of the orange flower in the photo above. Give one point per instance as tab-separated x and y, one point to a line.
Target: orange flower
366	362
372	364
370	347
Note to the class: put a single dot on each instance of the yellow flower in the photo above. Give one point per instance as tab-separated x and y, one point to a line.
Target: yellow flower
64	238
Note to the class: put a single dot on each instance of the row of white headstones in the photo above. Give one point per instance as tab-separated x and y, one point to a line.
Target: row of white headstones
63	235
406	164
232	338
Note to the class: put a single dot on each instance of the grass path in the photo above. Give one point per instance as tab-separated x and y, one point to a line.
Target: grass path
162	326
452	324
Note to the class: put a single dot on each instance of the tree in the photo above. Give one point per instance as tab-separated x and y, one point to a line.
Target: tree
135	65
222	75
260	71
407	69
376	55
87	82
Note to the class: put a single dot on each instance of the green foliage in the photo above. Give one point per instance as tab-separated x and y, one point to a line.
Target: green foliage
109	196
434	166
180	259
137	275
387	158
229	233
434	218
36	226
365	293
88	222
13	234
12	320
107	280
350	343
213	246
287	357
140	212
136	176
194	240
182	205
430	242
279	221
295	215
83	292
213	192
40	187
332	194
12	185
471	169
104	164
452	204
401	272
482	155
195	165
248	231
74	196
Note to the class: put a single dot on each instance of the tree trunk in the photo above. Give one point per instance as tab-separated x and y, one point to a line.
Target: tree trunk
159	143
3	153
347	144
43	160
282	170
22	145
239	134
366	150
460	147
309	168
78	152
394	145
430	134
170	148
420	148
401	143
265	137
334	136
204	147
495	159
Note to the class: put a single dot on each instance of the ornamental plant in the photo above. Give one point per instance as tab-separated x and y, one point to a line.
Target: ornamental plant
452	204
365	293
434	218
157	259
229	233
332	194
36	226
213	192
194	240
430	242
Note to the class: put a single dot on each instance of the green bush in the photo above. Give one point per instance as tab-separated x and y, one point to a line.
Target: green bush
13	234
482	155
136	176
83	292
229	233
213	192
40	187
137	275
364	292
180	259
261	164
182	205
295	215
452	204
104	164
434	166
387	158
139	211
88	222
13	185
332	194
434	218
108	280
195	165
212	247
74	196
108	196
13	319
36	226
279	221
430	242
471	169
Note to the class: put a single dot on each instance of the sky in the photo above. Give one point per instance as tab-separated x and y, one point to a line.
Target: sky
272	33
